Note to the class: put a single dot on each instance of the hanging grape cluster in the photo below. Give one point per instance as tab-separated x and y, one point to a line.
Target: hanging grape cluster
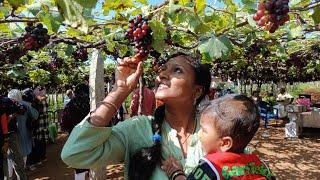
56	62
80	54
272	13
35	37
140	33
9	54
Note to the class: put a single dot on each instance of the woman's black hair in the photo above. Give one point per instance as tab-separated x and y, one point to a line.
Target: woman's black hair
144	161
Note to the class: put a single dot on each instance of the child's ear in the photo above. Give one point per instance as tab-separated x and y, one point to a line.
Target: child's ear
226	143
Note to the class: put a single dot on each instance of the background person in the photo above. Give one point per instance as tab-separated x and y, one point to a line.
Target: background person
73	113
149	101
14	156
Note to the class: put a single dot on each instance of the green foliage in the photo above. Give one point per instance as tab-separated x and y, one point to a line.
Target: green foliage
39	76
159	35
215	47
72	14
316	15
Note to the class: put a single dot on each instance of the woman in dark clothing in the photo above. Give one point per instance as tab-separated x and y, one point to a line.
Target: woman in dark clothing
76	110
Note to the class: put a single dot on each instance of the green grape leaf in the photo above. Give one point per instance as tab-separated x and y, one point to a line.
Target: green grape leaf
116	5
72	13
188	19
200	6
87	3
34	8
69	50
231	6
316	15
295	32
123	49
159	35
184	2
73	32
4	28
39	76
216	47
142	1
4	11
52	21
299	3
16	3
110	44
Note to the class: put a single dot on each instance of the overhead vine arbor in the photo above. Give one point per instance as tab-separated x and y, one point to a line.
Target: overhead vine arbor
48	41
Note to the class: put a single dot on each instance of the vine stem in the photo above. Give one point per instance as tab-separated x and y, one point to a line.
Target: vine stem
307	7
18	20
158	8
220	10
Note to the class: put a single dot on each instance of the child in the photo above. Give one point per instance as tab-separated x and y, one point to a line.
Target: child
227	126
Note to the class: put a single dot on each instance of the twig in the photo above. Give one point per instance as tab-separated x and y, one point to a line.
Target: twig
307	7
220	10
237	26
18	20
186	47
158	8
184	30
9	42
109	23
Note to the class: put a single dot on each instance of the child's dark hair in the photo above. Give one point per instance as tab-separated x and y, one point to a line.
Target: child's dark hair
143	162
236	116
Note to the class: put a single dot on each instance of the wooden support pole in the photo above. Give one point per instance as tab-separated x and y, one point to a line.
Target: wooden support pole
96	84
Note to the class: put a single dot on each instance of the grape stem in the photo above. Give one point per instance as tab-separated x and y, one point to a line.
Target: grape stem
158	8
306	7
18	20
184	30
220	10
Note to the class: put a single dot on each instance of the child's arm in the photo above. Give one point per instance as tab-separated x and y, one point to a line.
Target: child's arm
173	169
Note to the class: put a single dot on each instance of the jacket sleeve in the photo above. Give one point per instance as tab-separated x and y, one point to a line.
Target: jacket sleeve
32	112
90	147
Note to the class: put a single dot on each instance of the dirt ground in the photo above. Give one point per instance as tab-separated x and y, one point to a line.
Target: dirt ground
288	158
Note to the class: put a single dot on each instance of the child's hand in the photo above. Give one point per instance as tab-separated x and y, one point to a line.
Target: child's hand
170	166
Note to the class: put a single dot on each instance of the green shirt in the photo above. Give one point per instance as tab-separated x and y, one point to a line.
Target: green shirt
91	147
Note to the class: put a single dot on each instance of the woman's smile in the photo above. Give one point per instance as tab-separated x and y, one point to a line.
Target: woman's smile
162	86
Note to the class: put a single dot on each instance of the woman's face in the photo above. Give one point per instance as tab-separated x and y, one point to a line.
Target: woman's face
176	81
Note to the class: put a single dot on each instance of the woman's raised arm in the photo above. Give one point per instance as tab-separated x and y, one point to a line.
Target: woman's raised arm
127	77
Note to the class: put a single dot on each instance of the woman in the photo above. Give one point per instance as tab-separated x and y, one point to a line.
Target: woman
17	129
182	85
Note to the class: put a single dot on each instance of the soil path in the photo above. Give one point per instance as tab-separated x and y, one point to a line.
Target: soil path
289	159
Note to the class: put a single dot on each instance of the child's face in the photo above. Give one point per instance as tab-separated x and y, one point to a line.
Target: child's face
208	135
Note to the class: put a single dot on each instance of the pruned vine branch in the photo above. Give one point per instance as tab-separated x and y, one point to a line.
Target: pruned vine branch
220	10
17	20
307	7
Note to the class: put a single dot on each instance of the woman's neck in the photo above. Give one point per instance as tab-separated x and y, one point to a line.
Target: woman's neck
180	118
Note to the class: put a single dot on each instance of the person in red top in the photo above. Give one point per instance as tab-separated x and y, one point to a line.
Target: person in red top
149	101
227	126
